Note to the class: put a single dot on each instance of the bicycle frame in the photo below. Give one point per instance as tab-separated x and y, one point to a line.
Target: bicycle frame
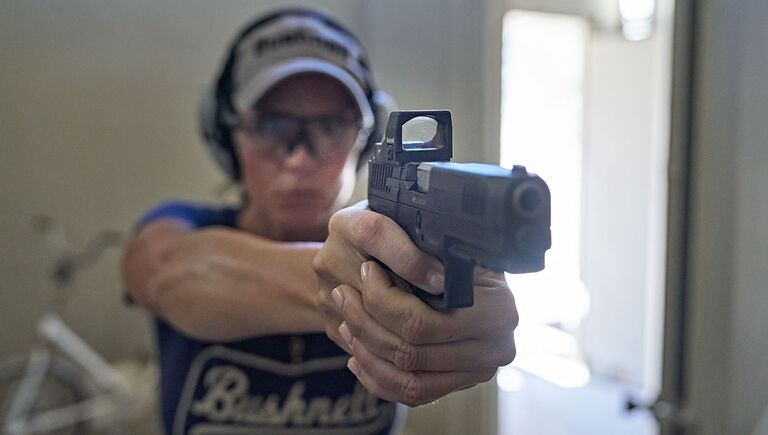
55	336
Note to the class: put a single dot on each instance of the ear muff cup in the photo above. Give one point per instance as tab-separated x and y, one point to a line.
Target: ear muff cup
216	136
383	104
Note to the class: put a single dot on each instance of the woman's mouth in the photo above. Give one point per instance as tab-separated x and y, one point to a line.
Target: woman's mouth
299	196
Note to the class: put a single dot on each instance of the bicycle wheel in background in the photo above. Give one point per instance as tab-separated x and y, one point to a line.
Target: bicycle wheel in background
63	385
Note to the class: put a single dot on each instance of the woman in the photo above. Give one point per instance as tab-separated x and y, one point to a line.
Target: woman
250	339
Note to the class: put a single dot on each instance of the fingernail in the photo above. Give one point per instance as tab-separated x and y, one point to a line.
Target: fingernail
338	297
436	280
344	331
364	270
354	366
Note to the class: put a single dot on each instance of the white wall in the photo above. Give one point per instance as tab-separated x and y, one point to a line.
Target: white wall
726	342
624	184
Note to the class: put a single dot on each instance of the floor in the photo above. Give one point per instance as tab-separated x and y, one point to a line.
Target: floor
538	407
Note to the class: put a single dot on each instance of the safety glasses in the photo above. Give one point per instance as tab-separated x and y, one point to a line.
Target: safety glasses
276	135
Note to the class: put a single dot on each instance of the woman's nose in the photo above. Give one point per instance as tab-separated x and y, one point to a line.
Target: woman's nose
300	156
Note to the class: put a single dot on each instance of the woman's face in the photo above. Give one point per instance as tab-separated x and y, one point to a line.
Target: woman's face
292	185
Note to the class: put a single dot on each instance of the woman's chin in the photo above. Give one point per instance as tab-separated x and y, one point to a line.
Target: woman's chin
304	222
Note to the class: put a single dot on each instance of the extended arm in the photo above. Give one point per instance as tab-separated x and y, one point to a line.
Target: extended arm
222	284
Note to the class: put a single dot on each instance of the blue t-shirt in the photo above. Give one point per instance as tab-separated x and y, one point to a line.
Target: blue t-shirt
276	384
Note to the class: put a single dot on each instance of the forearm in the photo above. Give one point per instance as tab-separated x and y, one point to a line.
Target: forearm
222	284
243	288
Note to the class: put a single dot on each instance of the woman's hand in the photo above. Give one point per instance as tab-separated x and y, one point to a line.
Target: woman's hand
402	350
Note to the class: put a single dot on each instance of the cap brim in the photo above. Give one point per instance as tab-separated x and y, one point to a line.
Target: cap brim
258	85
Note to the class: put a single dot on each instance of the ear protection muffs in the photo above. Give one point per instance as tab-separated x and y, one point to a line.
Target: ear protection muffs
215	108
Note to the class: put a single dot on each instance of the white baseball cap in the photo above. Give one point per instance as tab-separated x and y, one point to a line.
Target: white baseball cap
293	43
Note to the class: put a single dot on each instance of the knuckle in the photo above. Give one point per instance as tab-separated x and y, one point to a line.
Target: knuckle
318	262
412	390
324	300
322	262
508	353
508	322
354	324
515	320
350	308
337	222
367	228
414	327
353	314
508	311
407	357
327	265
413	265
504	317
487	375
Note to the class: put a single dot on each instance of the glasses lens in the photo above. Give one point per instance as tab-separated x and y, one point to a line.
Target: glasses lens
276	128
333	135
325	137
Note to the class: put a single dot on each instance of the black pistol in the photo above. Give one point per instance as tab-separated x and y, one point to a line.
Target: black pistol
465	214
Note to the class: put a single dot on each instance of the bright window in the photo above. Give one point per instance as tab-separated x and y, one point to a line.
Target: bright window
541	128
